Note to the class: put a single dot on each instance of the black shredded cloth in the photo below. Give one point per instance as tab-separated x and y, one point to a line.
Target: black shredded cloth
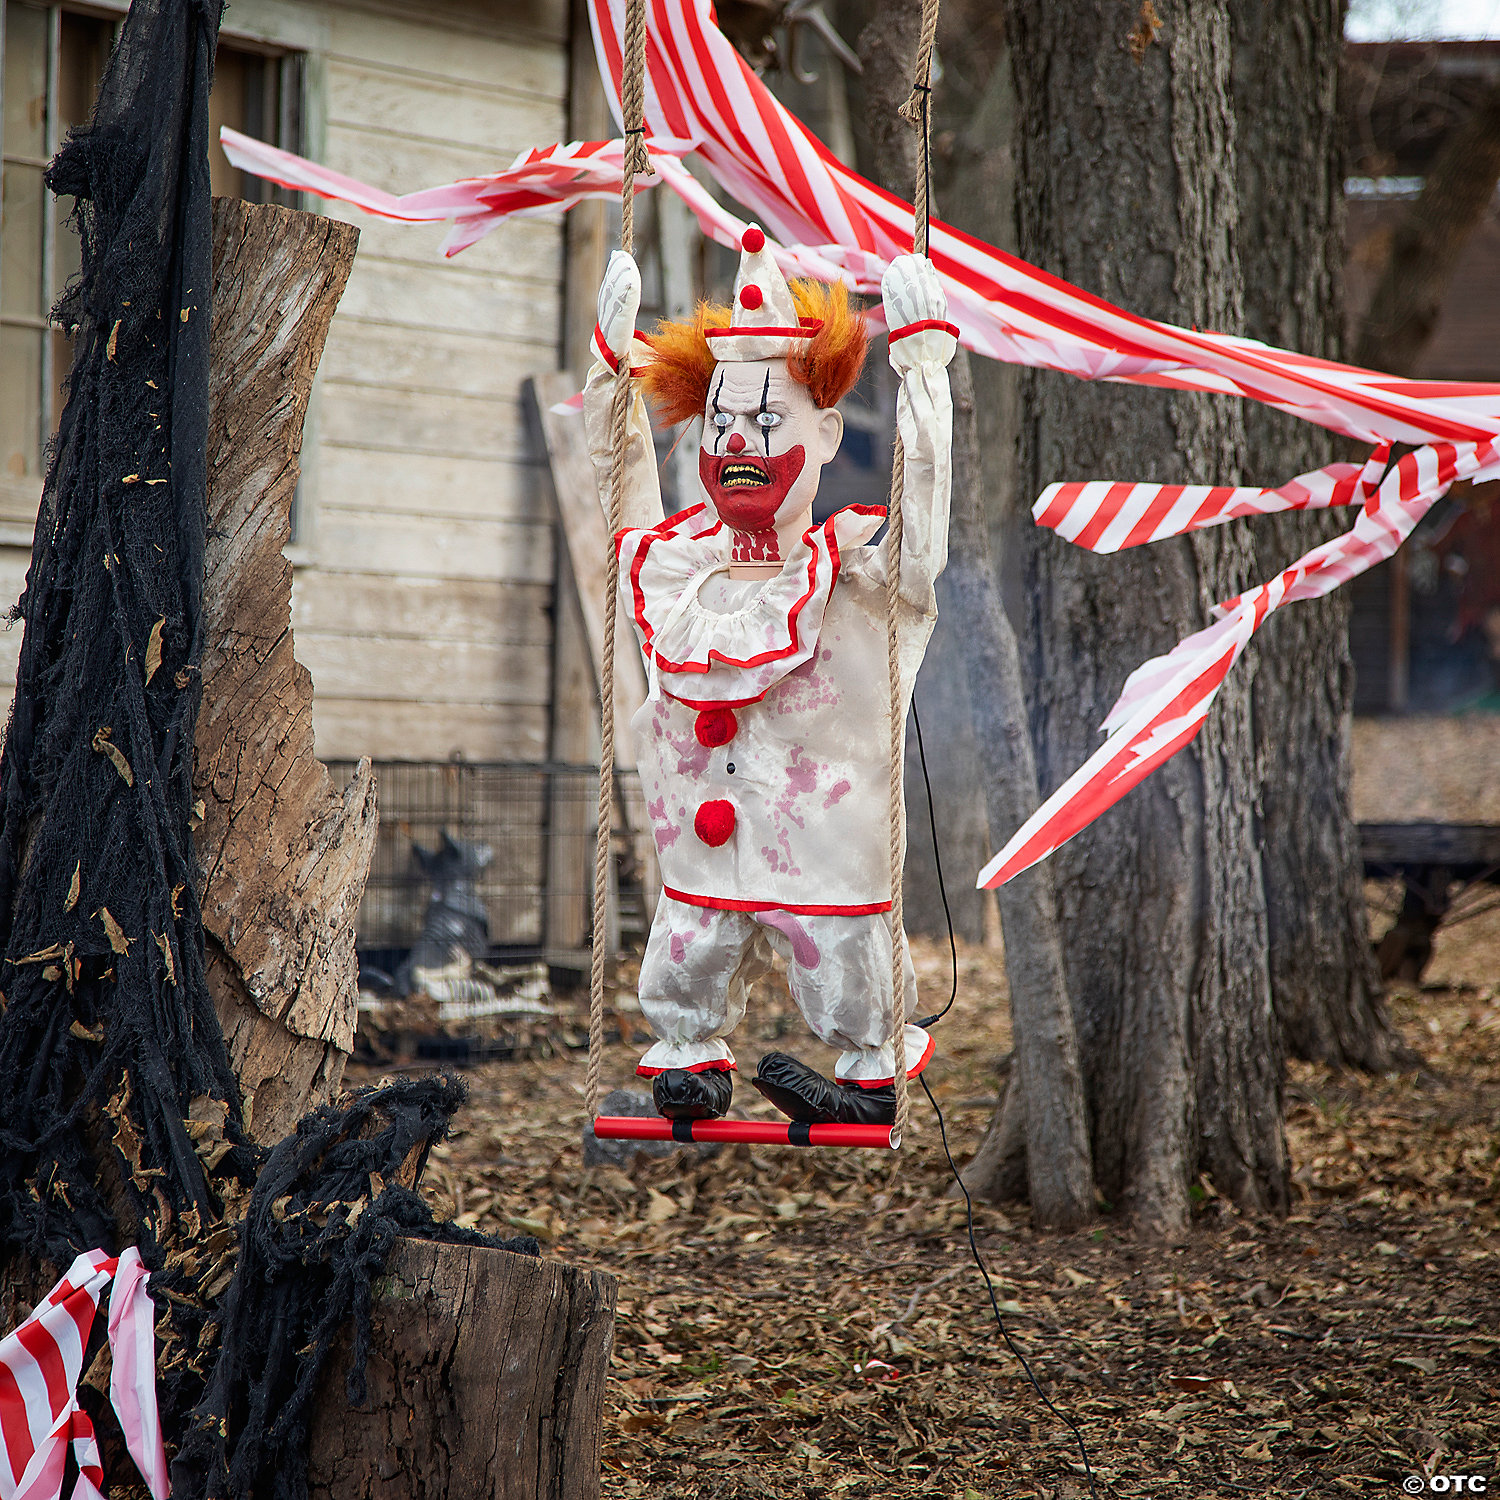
108	1034
326	1210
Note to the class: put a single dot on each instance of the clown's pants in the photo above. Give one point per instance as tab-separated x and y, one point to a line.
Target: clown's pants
700	963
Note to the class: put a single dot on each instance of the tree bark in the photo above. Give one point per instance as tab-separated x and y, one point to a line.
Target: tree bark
486	1382
1427	243
1047	1064
1126	187
285	851
1324	980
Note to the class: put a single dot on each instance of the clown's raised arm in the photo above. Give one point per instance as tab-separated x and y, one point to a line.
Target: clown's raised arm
614	334
921	344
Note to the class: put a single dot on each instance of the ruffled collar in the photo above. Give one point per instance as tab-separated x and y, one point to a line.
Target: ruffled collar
704	657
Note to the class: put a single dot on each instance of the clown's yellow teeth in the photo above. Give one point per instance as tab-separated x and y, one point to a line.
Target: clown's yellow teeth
742	476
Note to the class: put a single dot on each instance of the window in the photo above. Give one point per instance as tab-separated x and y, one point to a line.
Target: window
51	60
52	64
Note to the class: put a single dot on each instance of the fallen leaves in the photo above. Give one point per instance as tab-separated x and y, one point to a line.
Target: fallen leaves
764	1295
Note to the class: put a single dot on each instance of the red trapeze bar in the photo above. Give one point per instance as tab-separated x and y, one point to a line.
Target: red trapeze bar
756	1132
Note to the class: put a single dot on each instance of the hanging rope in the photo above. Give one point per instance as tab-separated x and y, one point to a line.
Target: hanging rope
916	111
637	160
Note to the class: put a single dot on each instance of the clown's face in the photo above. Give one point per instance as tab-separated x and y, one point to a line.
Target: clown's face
764	446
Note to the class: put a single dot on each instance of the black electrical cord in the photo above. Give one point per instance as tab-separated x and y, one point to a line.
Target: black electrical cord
989	1285
937	859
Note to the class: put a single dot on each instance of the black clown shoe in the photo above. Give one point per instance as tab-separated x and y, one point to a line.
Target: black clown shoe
804	1094
680	1095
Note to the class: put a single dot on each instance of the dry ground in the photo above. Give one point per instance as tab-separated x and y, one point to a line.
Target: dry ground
1336	1352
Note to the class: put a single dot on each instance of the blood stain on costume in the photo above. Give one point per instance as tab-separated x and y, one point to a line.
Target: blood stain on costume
804	950
679	945
663	830
837	792
692	757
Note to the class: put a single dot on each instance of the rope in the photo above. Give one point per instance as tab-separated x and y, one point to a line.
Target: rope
916	111
898	762
637	160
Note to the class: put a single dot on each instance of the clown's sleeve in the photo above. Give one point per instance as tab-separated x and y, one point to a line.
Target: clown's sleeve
921	344
614	335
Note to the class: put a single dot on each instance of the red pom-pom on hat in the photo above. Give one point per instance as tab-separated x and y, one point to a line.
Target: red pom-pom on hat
716	726
753	239
751	296
714	822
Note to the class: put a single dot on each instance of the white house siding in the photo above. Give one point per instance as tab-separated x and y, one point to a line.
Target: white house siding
424	582
425	547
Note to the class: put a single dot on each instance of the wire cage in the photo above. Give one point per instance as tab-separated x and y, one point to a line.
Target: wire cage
538	821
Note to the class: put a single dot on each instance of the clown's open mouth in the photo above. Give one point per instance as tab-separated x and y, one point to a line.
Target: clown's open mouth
736	476
748	491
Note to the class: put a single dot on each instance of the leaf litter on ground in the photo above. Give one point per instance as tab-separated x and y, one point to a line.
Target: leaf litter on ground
809	1324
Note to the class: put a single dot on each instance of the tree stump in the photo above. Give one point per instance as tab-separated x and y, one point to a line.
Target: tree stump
486	1382
286	851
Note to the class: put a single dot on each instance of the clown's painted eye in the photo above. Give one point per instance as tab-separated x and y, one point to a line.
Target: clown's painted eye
768	419
723	421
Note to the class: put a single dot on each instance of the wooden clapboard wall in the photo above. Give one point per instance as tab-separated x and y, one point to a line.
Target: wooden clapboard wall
425	546
425	567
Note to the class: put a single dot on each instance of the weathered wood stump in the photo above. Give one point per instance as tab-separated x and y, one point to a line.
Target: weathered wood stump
486	1382
286	852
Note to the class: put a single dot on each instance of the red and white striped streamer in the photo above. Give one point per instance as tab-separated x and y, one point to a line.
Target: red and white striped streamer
1165	701
40	1364
1106	517
832	224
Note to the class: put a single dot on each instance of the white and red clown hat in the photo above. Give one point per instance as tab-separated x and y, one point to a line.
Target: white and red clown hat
766	325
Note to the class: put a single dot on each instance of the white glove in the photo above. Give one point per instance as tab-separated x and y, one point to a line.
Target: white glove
619	302
912	293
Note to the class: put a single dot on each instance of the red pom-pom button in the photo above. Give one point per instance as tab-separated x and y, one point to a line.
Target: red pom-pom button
716	726
714	822
753	239
751	296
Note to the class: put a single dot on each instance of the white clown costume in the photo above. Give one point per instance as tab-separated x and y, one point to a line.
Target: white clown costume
763	745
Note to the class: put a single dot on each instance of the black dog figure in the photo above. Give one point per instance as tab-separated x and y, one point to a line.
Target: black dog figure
456	927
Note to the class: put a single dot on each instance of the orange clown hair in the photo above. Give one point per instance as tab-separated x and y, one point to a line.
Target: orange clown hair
678	378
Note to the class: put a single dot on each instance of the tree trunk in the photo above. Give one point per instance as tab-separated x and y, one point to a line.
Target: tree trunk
1428	241
486	1382
1047	1064
1291	187
285	851
1126	186
952	763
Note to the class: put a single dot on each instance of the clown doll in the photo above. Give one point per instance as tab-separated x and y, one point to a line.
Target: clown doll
764	742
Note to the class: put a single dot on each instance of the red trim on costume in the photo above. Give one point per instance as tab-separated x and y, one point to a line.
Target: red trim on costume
805	329
802	909
609	357
880	1083
602	349
920	326
714	702
669	527
715	1065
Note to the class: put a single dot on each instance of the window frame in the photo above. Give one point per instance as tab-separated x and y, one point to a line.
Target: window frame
21	496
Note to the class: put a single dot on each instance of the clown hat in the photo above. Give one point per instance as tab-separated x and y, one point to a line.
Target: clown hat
766	325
